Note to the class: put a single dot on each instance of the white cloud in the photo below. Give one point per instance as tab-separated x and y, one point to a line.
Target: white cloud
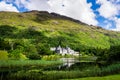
78	9
117	21
108	24
20	3
107	8
115	1
9	1
40	5
110	9
7	7
118	25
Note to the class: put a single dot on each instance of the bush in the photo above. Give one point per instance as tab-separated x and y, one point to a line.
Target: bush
31	52
34	56
51	57
22	56
16	54
3	55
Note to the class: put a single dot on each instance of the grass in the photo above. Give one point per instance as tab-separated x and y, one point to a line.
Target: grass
53	75
111	77
25	63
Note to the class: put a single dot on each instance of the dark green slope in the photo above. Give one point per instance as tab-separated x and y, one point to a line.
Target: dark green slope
50	29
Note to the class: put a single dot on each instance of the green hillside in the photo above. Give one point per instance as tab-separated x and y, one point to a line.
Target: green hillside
37	29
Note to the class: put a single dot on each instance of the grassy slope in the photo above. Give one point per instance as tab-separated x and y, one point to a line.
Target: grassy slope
52	27
112	77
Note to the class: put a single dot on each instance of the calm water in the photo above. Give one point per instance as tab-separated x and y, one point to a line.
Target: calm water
69	64
75	64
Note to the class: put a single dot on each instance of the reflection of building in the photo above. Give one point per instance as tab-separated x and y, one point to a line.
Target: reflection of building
63	51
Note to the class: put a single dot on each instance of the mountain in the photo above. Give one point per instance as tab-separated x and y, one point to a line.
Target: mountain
51	29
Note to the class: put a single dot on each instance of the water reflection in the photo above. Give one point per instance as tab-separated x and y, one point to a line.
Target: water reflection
68	62
77	64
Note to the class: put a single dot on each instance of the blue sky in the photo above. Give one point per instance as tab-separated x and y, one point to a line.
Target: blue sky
104	13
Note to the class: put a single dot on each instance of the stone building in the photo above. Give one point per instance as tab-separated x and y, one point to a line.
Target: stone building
63	51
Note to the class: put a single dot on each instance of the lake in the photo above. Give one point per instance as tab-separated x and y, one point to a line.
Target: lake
69	64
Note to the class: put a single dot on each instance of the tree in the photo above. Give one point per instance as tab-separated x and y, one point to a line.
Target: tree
43	49
114	53
4	45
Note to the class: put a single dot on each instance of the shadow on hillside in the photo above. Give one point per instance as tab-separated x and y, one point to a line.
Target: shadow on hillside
29	34
43	16
7	31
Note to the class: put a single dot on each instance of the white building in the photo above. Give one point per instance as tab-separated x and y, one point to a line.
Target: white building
63	51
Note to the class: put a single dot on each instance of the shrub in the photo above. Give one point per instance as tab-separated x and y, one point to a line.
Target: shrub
51	57
16	54
3	55
22	56
34	56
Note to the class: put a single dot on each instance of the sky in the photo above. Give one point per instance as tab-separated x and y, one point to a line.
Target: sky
104	13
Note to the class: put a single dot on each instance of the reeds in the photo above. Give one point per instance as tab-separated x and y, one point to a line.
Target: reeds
27	63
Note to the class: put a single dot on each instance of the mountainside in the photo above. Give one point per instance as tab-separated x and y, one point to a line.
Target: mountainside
50	29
